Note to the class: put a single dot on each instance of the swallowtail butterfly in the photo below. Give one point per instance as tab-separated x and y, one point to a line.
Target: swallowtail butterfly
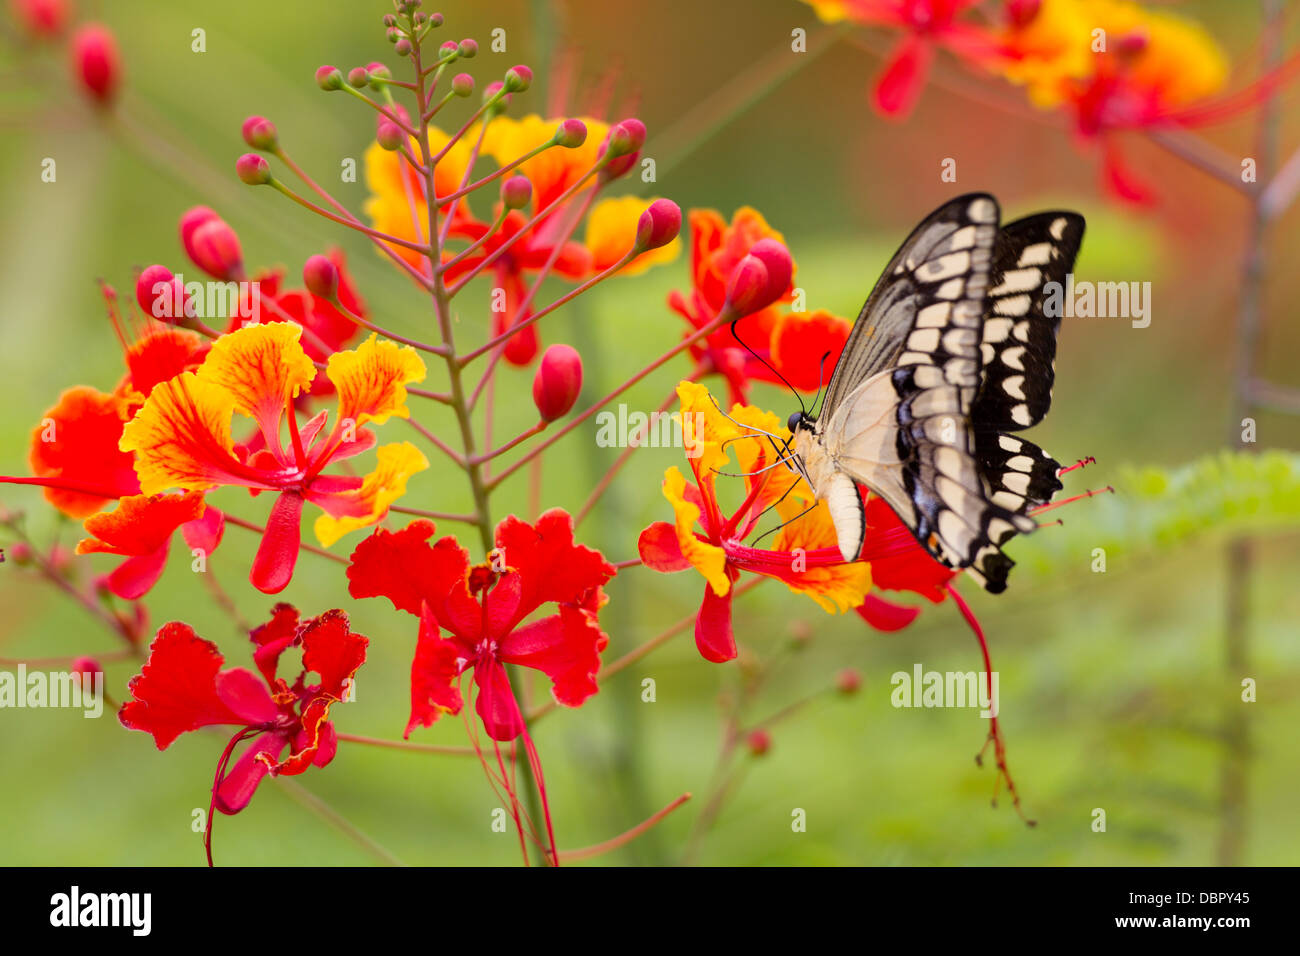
951	354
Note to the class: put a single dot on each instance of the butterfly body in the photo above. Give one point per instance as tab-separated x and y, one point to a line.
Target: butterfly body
951	353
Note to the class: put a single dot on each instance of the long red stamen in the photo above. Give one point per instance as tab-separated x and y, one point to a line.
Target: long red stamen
1081	463
995	732
1073	498
218	777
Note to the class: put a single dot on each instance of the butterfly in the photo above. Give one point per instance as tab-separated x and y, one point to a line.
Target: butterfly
952	353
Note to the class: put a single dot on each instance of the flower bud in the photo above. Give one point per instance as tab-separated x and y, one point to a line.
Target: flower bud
358	77
848	681
389	135
462	84
571	134
658	225
378	71
518	79
468	48
321	277
760	278
448	49
214	248
259	133
758	742
96	62
435	19
623	145
21	553
516	192
390	20
490	92
253	169
41	18
191	220
161	294
402	47
558	381
86	668
329	78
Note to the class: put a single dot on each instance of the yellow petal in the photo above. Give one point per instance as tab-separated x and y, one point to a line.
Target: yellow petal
181	436
371	380
261	367
709	559
379	489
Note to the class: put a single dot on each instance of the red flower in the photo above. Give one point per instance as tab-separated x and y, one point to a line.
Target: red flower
925	25
481	609
182	687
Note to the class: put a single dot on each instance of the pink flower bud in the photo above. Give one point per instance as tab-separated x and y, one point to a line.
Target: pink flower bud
558	381
96	62
658	225
468	48
462	84
253	169
329	78
402	47
448	48
358	77
436	19
214	248
86	668
191	219
378	71
41	18
571	134
321	277
623	143
259	133
848	681
758	742
161	294
516	192
518	79
780	267
389	135
746	289
21	552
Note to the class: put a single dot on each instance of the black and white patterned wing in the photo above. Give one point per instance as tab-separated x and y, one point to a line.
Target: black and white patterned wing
1018	355
941	268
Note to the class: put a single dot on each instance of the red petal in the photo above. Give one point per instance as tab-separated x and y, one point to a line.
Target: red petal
403	567
273	566
434	672
80	445
496	705
910	568
204	533
332	650
140	524
899	86
241	781
550	565
273	637
885	615
245	695
565	647
660	550
713	635
132	579
176	690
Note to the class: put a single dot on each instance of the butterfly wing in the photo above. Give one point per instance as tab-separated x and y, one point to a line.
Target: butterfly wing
920	398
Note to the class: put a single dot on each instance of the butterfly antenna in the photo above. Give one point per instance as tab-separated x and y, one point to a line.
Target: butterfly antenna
754	428
784	523
821	378
736	335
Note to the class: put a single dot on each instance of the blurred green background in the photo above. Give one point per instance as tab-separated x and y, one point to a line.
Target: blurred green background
1113	685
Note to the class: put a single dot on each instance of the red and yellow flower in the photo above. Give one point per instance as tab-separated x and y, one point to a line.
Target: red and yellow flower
181	437
804	555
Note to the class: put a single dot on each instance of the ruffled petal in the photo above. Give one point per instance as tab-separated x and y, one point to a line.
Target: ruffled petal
659	549
368	503
140	524
176	690
77	441
262	367
551	566
435	671
371	381
566	647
